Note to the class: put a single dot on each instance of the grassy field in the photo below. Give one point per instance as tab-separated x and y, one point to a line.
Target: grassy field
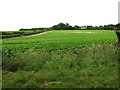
57	40
61	59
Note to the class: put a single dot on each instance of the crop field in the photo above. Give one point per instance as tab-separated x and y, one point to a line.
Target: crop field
61	59
11	34
60	40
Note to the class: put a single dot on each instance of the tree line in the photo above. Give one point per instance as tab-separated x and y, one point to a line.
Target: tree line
67	26
62	26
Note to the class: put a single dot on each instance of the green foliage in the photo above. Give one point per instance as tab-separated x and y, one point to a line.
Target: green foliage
10	34
33	29
62	26
61	59
105	27
92	67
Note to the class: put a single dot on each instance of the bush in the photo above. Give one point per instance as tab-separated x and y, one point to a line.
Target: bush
16	34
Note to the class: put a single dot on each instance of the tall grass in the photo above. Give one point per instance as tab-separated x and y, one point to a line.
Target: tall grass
92	67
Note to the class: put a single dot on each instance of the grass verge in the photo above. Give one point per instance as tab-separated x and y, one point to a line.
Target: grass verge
92	67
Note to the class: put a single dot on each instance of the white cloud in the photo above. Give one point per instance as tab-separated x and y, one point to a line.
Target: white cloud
16	14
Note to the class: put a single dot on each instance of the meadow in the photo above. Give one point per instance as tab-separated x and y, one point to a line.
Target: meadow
61	59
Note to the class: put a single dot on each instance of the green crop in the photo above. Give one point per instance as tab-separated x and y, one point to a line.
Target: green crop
61	59
60	40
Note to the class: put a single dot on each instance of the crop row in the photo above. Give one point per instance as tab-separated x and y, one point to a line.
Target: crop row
54	46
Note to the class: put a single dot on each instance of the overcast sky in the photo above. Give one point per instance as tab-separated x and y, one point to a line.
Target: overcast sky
119	12
16	14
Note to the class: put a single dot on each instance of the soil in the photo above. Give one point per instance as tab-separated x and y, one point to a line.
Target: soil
83	32
38	34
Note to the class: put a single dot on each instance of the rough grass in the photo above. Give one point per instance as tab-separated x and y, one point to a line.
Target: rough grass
91	67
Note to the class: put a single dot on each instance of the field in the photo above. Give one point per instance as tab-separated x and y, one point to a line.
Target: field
11	34
58	40
61	59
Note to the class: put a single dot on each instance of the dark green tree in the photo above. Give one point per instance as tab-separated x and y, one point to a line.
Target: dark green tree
118	32
62	26
76	27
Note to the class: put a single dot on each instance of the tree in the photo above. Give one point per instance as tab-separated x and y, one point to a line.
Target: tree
62	26
67	24
76	27
118	33
90	27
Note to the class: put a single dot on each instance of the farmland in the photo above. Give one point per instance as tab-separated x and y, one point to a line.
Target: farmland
11	34
60	40
61	59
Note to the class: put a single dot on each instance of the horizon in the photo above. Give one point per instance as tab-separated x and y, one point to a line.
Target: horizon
69	24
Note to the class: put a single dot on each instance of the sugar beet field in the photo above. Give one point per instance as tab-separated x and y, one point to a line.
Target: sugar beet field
60	40
61	59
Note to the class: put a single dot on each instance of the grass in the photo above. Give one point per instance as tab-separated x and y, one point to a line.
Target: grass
61	59
95	67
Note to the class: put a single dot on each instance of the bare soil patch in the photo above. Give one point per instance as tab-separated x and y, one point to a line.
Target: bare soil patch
38	34
83	32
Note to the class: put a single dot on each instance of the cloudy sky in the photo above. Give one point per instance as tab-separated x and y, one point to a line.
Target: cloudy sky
16	14
119	12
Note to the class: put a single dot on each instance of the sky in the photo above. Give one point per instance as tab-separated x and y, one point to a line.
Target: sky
17	14
119	12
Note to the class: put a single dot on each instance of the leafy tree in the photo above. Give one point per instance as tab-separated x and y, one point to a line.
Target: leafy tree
62	26
118	32
90	27
76	27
